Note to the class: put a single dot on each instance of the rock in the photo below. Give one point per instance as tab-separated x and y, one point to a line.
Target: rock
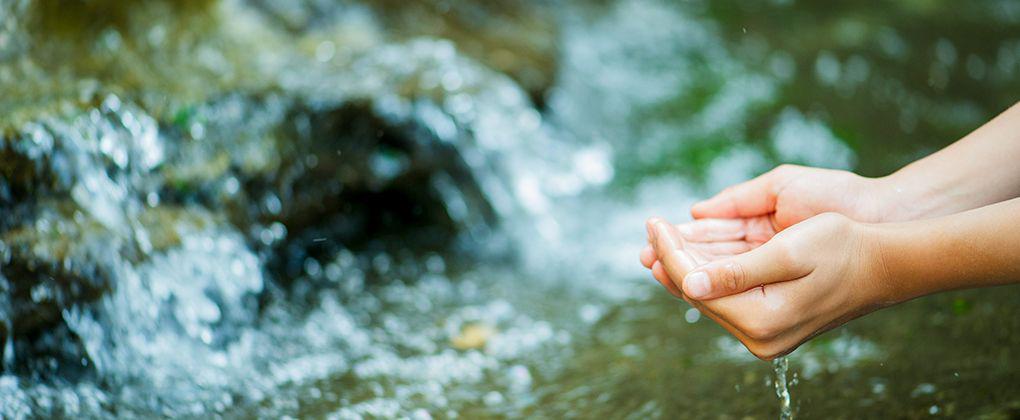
149	187
55	261
472	336
516	38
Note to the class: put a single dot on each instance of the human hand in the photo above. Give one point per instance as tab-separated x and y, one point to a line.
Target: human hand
790	194
805	280
787	195
706	240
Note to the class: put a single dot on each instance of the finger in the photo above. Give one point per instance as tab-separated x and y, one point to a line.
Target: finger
668	247
717	250
769	263
660	275
712	230
759	229
752	198
648	256
650	227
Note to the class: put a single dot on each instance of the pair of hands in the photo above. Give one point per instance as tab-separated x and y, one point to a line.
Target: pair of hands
778	259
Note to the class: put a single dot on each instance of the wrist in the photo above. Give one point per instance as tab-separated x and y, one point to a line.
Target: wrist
899	197
884	253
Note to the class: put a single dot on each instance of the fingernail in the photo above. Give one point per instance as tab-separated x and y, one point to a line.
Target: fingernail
697	284
651	231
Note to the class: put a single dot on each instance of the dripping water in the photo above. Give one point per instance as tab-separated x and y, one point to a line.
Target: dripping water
780	366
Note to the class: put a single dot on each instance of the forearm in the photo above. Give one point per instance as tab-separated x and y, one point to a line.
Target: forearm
975	248
978	170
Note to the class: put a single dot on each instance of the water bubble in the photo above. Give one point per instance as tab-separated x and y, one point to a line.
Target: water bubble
493	398
312	267
878	387
451	80
110	40
387	166
325	51
311	161
594	165
945	52
923	389
272	204
519	377
976	67
590	313
891	43
692	315
827	68
333	272
157	35
382	263
111	103
782	65
196	130
231	186
435	264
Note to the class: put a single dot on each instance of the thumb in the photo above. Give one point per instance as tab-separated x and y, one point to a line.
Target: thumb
769	263
747	199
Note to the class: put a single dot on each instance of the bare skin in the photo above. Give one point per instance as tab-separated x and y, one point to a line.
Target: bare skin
795	252
951	180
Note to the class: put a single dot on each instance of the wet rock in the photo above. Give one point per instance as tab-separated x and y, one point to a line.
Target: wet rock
56	352
145	230
514	38
53	262
62	258
62	265
69	187
99	157
291	172
92	192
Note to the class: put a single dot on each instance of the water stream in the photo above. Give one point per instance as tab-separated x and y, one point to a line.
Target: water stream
241	208
780	366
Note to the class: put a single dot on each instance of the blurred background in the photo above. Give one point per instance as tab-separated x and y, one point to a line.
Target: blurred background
433	208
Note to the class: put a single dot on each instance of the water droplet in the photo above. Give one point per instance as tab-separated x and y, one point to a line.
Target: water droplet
325	51
692	315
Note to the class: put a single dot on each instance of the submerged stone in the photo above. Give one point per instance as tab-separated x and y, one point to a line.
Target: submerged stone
472	336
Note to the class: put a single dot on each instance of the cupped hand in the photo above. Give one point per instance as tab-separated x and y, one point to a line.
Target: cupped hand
790	194
786	196
805	280
705	240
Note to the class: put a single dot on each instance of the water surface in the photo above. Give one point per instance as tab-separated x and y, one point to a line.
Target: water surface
453	227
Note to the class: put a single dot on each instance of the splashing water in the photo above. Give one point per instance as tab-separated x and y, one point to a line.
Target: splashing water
189	320
780	366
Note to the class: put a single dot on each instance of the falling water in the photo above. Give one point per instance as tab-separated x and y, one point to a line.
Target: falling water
238	235
780	365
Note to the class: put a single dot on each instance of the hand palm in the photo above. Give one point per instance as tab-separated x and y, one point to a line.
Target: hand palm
707	240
